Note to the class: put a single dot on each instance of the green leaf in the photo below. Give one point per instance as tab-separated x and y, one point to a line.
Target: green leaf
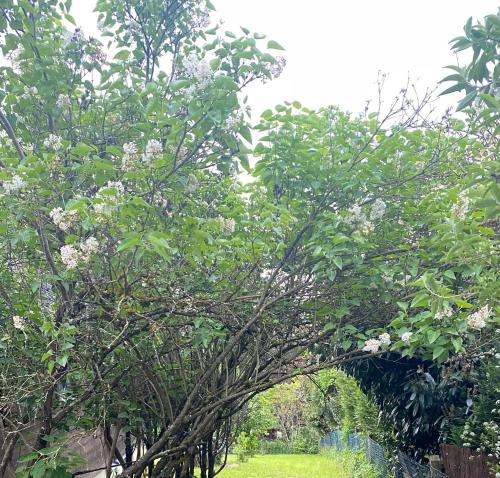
439	353
467	100
433	335
274	45
122	55
420	300
82	149
28	457
338	262
62	360
246	133
131	240
160	244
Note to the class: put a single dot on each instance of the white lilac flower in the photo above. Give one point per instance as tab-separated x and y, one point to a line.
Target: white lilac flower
477	320
153	151
276	68
461	207
192	184
372	345
357	218
387	276
202	20
190	91
63	102
18	322
53	142
70	257
446	312
366	228
14	185
198	70
232	122
89	247
109	200
117	185
385	339
378	210
130	155
227	226
30	92
63	219
406	336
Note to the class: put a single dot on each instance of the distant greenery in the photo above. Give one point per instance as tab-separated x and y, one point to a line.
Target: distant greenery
303	411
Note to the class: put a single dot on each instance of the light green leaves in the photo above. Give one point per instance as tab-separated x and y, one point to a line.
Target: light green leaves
274	45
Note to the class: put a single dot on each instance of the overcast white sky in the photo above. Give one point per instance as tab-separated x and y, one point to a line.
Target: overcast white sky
335	48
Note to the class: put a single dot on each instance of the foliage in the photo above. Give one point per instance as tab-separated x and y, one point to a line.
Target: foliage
277	446
143	287
247	445
480	79
337	402
482	428
428	402
51	462
306	441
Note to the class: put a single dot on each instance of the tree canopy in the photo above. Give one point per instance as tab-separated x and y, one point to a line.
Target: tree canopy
144	289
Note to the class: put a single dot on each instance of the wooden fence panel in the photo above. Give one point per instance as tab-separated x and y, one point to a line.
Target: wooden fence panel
463	463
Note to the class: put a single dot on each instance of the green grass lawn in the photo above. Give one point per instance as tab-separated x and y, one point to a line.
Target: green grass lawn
284	466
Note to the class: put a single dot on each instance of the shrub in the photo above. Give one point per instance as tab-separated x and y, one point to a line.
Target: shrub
247	446
306	441
275	447
354	463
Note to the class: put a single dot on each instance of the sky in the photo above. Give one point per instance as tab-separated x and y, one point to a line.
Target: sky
336	48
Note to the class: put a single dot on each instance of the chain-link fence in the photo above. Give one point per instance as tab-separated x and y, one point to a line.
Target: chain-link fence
400	466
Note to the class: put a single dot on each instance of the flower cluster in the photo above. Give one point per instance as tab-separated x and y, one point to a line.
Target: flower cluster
109	198
30	92
477	320
192	184
486	441
198	70
63	102
53	142
64	220
232	122
14	185
357	219
276	68
130	155
461	207
406	336
373	345
153	151
378	210
71	256
442	314
18	322
227	226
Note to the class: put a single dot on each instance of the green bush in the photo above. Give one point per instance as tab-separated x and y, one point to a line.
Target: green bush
247	445
354	463
275	447
306	441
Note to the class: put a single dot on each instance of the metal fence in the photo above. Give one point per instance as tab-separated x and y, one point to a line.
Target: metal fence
398	466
